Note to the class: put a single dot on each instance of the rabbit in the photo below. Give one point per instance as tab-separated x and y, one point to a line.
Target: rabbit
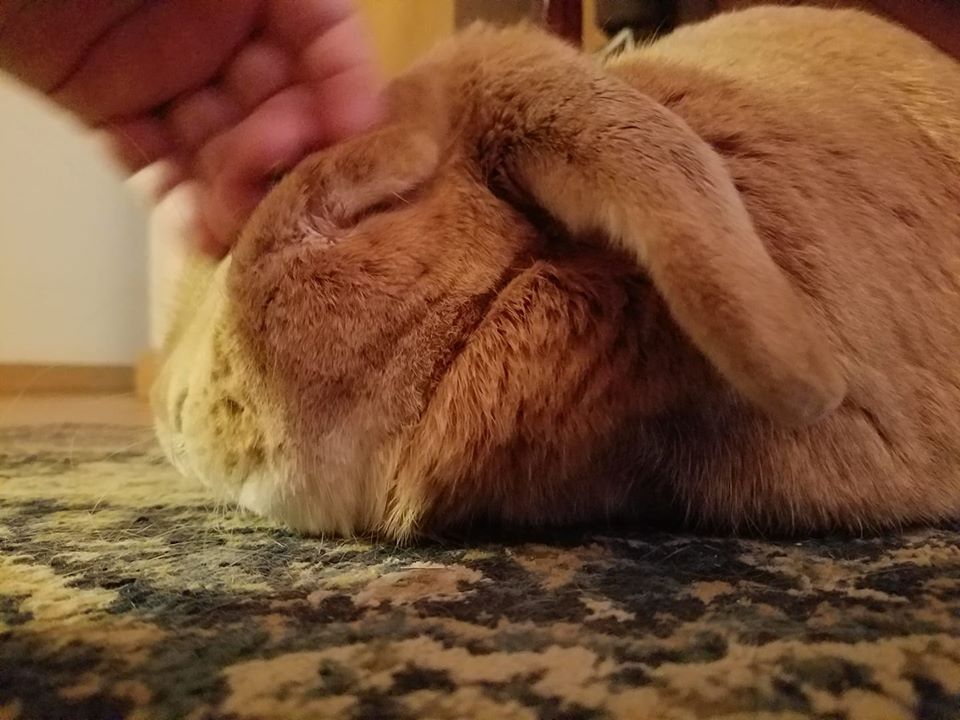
714	282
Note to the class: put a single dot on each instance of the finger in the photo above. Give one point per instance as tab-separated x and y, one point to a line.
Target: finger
338	48
173	174
206	242
199	116
260	71
254	134
26	29
240	164
155	54
139	142
340	70
208	161
295	23
340	110
224	209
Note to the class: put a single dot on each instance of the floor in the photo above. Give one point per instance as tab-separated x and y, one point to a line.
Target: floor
128	592
126	410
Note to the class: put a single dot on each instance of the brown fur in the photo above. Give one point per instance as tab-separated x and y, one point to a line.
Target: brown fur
721	285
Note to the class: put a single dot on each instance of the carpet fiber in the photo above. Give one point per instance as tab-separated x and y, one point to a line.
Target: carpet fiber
125	594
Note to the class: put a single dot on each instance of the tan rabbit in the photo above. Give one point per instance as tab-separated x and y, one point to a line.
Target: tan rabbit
715	281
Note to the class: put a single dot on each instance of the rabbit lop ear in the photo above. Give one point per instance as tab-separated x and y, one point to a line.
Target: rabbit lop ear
610	159
376	169
401	155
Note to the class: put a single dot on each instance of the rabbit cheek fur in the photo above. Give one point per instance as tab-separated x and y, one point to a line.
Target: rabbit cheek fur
722	287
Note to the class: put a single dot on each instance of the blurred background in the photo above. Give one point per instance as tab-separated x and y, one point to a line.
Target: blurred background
87	262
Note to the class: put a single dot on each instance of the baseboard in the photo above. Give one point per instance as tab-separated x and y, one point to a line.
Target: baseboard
41	379
145	374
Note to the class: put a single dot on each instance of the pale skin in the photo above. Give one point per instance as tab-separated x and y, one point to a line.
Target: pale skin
229	94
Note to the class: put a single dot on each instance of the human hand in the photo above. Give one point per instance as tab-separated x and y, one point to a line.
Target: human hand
230	93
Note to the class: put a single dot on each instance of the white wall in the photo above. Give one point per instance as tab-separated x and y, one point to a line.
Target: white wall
170	246
73	248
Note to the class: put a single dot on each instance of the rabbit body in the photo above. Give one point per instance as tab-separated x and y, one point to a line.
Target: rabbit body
715	280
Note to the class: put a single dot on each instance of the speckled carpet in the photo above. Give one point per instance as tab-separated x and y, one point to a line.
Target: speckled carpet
124	594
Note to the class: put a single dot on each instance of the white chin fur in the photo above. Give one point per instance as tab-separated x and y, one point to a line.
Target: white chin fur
256	495
268	495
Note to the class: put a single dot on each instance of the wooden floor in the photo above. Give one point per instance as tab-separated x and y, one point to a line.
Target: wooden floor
51	409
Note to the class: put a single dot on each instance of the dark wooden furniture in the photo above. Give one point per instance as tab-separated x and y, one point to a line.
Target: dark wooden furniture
563	17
